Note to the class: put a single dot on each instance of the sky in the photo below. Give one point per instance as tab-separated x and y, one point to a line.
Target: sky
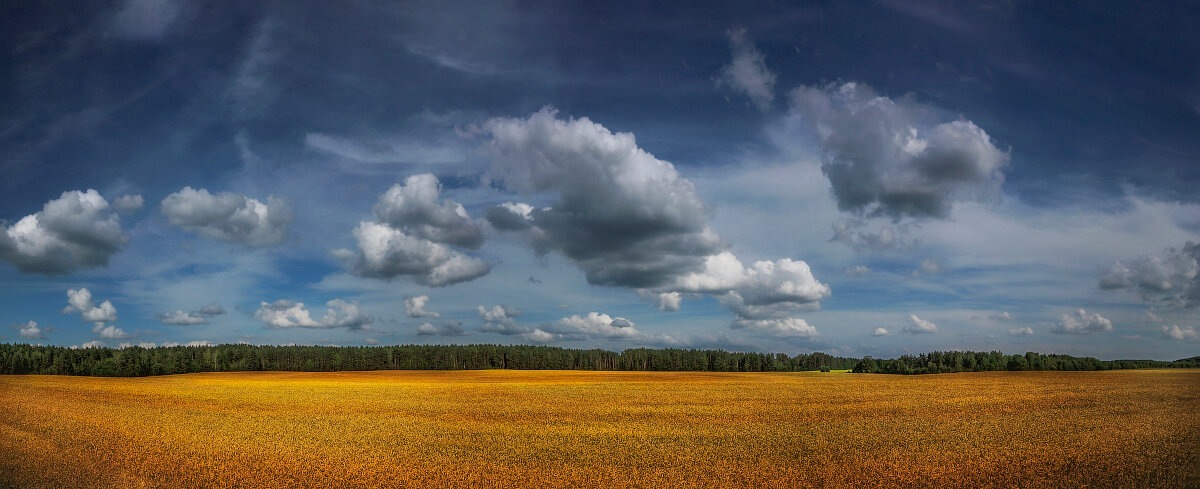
858	178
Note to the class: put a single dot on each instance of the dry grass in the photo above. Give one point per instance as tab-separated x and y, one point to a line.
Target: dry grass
612	429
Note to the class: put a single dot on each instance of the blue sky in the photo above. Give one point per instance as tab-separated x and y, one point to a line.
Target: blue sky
859	179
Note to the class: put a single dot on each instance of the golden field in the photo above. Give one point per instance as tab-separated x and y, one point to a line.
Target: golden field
603	429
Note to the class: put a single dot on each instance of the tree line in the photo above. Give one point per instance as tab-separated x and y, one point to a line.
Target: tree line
967	361
136	361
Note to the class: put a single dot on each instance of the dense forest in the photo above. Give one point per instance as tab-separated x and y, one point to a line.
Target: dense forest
967	361
137	361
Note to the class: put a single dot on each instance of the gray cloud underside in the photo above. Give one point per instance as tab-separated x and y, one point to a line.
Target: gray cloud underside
1171	278
74	232
229	217
884	159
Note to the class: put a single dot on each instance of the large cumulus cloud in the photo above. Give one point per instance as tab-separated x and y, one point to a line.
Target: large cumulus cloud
414	206
1171	278
413	238
78	230
892	158
628	219
625	217
229	217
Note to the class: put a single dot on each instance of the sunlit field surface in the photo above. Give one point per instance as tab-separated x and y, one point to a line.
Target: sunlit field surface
611	429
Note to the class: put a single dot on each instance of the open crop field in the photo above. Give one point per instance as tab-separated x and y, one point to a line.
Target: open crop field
603	429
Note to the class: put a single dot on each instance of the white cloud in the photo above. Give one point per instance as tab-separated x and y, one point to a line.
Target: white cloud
777	327
501	319
666	301
76	231
128	203
386	253
414	207
765	283
31	331
80	301
1174	332
1080	322
109	332
1171	278
169	344
414	307
181	318
882	160
229	217
747	72
593	325
1002	316
338	314
1026	331
92	344
917	325
444	328
413	235
880	332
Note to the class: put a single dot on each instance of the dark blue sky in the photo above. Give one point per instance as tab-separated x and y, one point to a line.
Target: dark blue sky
985	166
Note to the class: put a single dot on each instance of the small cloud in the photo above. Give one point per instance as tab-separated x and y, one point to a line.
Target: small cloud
880	332
534	280
917	325
213	309
128	203
777	327
666	301
414	307
1002	316
182	318
371	341
747	72
338	314
1174	332
1081	322
31	331
444	328
1026	331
